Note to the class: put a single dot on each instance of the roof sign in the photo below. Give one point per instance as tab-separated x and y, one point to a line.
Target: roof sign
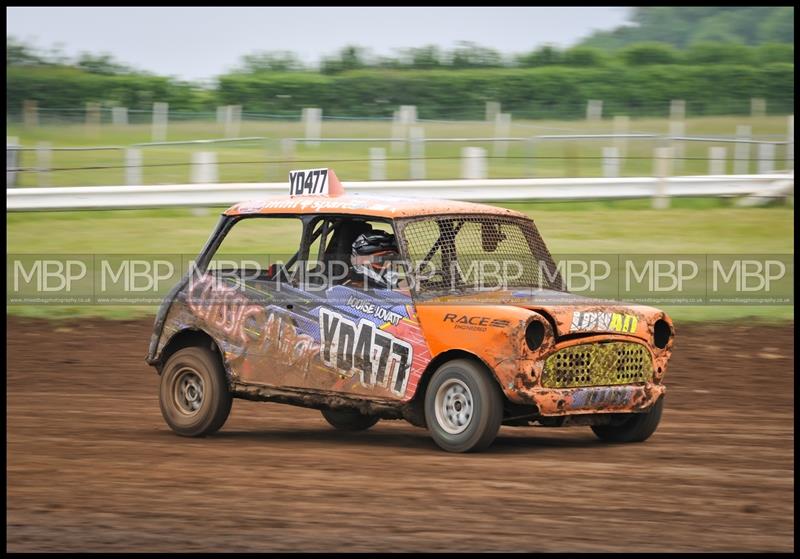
314	182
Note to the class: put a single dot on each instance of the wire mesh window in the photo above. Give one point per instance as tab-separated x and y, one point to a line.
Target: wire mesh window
477	252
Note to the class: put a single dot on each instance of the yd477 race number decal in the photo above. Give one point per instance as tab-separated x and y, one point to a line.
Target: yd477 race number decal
380	358
310	181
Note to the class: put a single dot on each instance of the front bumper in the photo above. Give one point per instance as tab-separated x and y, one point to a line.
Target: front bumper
624	398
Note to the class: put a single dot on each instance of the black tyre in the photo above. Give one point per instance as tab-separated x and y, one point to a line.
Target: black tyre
634	429
463	406
193	394
349	420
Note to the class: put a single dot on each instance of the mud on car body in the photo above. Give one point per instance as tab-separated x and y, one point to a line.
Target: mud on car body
479	332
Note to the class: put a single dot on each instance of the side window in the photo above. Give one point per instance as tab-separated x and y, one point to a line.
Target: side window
331	244
259	246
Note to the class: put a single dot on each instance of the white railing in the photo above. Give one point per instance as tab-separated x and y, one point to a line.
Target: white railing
766	186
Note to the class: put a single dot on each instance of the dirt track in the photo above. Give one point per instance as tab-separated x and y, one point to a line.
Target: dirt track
93	467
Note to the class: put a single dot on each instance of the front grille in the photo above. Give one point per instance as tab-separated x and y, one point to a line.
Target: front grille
598	364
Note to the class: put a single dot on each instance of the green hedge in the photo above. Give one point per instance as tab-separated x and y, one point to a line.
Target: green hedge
544	92
547	92
65	87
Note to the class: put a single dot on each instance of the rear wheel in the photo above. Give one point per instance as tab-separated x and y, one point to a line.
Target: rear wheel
193	394
634	429
349	419
463	406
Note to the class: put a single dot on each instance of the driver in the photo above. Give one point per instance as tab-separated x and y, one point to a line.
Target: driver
371	260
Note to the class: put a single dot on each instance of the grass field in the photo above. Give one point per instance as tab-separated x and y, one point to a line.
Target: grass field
266	160
695	226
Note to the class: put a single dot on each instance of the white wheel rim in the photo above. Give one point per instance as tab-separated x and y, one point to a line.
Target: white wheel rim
188	391
454	406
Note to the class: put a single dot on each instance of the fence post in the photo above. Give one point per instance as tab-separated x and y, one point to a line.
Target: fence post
716	160
237	119
287	148
416	136
663	160
377	164
160	119
398	144
312	120
492	110
758	106
408	114
227	119
766	158
204	167
741	164
12	160
677	128
621	127
133	166
502	129
677	109
92	116
233	120
44	157
119	116
594	110
473	163
610	162
790	142
30	113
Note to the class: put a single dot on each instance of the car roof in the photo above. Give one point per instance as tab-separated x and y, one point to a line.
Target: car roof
369	205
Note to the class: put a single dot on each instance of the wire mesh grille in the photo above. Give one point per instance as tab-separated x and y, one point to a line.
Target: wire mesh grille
598	365
463	252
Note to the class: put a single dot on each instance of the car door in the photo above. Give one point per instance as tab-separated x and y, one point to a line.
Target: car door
248	300
369	335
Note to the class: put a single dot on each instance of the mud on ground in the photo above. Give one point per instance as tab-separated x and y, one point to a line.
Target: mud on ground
93	467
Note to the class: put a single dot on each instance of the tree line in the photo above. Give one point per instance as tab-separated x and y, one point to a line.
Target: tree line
630	76
685	26
469	55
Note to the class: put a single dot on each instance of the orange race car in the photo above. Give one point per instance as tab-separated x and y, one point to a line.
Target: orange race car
450	315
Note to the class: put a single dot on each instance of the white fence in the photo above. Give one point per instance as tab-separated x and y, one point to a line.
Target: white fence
770	155
762	186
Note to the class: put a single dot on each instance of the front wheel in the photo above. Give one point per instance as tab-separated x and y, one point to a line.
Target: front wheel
463	406
349	420
193	394
635	429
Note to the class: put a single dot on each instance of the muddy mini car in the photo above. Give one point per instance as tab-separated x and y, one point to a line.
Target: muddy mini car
466	328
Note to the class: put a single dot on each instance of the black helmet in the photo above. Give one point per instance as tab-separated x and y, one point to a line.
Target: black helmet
374	241
371	252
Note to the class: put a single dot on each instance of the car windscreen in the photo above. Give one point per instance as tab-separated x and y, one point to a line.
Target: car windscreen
477	252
